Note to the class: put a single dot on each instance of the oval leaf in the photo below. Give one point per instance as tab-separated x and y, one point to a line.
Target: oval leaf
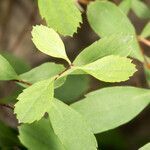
112	45
34	101
49	42
44	71
71	129
74	87
61	15
141	9
111	69
6	70
146	31
111	20
109	108
39	135
125	6
145	147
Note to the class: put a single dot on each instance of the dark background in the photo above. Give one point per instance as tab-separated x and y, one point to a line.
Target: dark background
16	20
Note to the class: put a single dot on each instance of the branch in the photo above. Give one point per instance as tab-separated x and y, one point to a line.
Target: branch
61	73
23	82
143	40
145	60
85	2
7	106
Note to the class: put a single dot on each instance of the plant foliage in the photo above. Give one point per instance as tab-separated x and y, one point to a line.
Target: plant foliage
47	121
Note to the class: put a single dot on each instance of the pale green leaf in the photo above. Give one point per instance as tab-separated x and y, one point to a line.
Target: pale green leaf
145	147
125	6
6	70
141	9
111	69
74	87
39	136
146	31
59	82
109	108
111	45
111	20
42	72
61	15
71	129
34	101
49	42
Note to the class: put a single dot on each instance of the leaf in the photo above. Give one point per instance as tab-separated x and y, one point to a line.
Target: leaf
71	129
34	101
6	70
62	15
74	87
111	20
59	82
111	69
145	147
39	135
111	45
49	42
125	6
19	64
141	9
42	72
109	108
146	31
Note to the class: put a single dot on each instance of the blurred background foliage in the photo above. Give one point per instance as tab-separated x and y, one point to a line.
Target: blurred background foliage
16	20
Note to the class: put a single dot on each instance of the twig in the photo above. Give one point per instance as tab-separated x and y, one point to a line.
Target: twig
85	2
143	40
145	60
23	82
7	106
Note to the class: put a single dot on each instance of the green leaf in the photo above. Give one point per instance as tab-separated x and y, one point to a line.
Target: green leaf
34	101
74	87
59	82
146	31
39	135
145	147
6	70
42	72
61	15
111	69
111	20
125	6
111	45
71	129
19	64
109	108
141	9
49	42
